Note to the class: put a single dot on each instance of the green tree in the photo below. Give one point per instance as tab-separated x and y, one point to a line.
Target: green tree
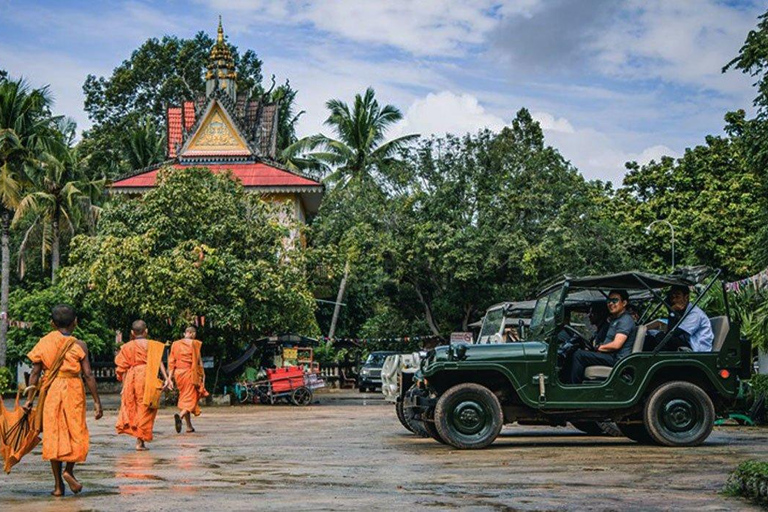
60	197
489	216
25	123
144	145
31	311
710	195
358	158
196	246
753	60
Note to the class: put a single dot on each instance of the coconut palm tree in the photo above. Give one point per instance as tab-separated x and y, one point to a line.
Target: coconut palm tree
61	197
144	145
358	155
25	123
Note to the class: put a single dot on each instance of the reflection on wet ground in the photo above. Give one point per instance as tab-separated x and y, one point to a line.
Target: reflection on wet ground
349	451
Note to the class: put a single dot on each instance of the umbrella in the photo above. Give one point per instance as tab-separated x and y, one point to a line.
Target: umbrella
17	434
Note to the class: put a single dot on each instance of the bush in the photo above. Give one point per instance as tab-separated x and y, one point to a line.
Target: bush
750	480
6	380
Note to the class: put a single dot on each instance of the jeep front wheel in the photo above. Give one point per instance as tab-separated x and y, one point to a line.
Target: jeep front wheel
468	416
679	414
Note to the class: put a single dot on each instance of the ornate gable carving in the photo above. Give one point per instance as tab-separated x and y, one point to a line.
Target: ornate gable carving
216	133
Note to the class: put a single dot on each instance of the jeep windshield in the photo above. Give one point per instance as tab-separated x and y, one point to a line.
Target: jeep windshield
543	320
491	326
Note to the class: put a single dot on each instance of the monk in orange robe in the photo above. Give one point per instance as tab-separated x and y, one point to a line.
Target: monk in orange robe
186	368
137	365
61	408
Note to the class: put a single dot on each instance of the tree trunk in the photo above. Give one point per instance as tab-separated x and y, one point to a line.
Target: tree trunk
5	277
55	256
339	297
465	322
427	311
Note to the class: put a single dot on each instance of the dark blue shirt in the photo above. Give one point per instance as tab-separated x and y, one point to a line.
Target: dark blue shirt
622	325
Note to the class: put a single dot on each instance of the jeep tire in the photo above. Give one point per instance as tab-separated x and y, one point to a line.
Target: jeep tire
430	428
401	416
468	416
679	413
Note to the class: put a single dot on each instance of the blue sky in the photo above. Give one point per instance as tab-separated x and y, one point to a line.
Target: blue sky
609	81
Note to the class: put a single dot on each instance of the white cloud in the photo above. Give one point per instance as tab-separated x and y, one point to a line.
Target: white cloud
446	112
680	42
427	27
549	122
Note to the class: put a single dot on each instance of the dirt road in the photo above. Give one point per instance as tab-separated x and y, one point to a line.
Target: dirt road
351	453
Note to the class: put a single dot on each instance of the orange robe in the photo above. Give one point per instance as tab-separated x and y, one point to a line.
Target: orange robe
137	414
65	433
190	377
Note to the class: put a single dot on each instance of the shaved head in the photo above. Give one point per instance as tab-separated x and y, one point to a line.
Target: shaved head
139	327
190	330
63	315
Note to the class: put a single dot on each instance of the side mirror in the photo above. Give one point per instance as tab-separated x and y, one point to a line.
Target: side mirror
461	352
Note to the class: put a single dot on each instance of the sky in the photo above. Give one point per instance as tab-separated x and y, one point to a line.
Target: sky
610	81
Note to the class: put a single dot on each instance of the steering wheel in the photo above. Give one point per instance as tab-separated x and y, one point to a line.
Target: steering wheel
576	334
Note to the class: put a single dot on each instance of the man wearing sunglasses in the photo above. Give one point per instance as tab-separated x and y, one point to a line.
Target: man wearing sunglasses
615	345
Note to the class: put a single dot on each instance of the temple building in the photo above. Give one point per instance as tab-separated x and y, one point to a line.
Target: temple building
227	130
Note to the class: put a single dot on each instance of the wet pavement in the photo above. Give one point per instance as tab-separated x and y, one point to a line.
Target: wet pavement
348	451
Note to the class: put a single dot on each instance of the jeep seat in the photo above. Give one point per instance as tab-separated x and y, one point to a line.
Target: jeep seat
602	372
720	328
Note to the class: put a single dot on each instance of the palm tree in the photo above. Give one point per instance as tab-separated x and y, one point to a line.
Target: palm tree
358	155
24	124
61	197
144	145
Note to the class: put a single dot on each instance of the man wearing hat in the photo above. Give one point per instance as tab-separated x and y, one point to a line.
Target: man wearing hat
690	326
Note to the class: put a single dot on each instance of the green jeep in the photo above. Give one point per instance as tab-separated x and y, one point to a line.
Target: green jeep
464	394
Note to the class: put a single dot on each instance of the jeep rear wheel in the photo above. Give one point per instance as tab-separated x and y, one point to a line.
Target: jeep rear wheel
679	414
468	416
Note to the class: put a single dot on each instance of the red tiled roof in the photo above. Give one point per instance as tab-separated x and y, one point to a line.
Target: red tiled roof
251	174
189	114
174	130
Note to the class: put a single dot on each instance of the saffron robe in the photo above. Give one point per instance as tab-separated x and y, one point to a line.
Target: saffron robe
137	365
65	433
189	375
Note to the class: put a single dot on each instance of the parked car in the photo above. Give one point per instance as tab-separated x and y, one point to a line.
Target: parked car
369	377
464	394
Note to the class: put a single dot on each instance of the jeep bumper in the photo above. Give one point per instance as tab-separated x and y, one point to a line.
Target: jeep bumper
419	400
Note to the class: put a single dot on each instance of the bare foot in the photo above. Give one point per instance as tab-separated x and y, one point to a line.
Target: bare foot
190	430
72	482
57	492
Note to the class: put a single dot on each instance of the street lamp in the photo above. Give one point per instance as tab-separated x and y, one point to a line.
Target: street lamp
671	229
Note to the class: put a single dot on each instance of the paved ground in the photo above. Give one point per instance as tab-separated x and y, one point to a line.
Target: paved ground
350	452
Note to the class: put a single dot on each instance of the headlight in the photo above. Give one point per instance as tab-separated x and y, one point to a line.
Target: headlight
365	371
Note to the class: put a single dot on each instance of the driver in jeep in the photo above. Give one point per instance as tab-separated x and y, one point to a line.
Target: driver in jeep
614	347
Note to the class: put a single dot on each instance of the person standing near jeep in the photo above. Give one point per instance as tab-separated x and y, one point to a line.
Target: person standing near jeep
615	346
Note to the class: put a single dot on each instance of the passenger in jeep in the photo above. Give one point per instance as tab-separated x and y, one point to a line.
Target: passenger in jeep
694	332
615	346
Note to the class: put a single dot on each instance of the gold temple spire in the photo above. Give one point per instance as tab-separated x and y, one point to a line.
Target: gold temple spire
221	66
220	35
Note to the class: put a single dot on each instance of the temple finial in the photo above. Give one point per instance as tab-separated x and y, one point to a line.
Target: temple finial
220	37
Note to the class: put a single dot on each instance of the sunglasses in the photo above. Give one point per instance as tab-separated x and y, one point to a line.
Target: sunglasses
613	301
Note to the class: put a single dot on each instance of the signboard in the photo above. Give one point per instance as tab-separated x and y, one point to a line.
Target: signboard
208	362
461	337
